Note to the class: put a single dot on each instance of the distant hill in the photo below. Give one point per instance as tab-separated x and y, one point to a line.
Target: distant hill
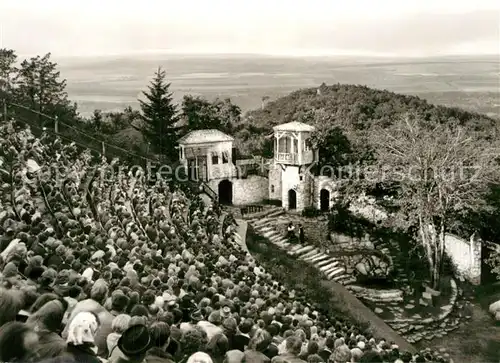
113	83
353	107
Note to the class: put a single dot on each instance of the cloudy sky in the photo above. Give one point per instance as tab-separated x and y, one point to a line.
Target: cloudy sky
371	27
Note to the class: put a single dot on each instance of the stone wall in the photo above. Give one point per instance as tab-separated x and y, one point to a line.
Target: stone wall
465	257
220	171
275	182
327	183
254	189
292	179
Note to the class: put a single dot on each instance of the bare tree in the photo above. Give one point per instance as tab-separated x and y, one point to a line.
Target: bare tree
440	170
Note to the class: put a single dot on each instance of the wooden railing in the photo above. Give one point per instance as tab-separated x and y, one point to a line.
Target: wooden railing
250	209
287	157
210	192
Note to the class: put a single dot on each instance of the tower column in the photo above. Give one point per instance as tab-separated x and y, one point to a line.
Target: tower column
300	148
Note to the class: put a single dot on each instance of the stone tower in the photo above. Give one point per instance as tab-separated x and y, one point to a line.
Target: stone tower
288	179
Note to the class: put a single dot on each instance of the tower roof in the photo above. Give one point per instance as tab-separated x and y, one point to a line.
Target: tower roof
294	126
204	136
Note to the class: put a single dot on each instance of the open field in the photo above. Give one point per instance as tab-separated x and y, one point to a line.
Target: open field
112	83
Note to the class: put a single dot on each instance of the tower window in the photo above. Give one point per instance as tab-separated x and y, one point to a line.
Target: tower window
225	157
272	188
215	159
301	177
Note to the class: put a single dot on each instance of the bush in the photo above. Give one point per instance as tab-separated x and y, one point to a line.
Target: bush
311	212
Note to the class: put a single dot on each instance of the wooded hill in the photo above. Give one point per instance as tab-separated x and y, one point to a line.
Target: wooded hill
353	108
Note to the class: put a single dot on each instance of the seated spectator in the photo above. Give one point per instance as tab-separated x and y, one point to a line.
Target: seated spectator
372	357
312	348
315	358
241	338
234	356
47	323
160	337
17	343
10	305
341	354
199	357
132	345
119	325
257	345
81	340
192	341
98	295
327	351
293	346
217	347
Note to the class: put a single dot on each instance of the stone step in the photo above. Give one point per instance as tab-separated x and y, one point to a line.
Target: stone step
303	250
276	213
329	266
337	272
313	257
282	240
278	242
265	229
258	225
296	247
344	279
320	258
326	262
349	281
309	254
315	251
274	234
269	235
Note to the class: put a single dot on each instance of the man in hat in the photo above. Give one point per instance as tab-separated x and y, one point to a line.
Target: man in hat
132	345
218	316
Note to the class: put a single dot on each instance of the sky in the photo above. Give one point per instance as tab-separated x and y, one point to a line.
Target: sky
293	27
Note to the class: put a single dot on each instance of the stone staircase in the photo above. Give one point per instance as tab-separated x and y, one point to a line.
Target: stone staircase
414	328
330	266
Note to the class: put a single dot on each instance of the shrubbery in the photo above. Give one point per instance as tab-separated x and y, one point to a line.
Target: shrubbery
311	212
275	202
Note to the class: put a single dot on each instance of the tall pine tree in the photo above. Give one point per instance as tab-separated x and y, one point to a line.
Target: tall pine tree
159	117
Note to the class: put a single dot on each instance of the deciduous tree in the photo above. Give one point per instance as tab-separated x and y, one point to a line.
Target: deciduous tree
199	113
441	170
97	120
39	87
8	70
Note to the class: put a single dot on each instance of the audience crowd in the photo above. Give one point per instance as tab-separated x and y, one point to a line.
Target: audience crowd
103	266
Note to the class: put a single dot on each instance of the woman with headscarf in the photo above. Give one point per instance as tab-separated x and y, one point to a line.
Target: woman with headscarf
98	295
46	322
80	346
199	357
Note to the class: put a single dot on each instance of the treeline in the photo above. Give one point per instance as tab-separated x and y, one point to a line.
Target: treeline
351	110
35	93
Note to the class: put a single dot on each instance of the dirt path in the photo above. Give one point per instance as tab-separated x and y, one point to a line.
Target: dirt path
477	341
